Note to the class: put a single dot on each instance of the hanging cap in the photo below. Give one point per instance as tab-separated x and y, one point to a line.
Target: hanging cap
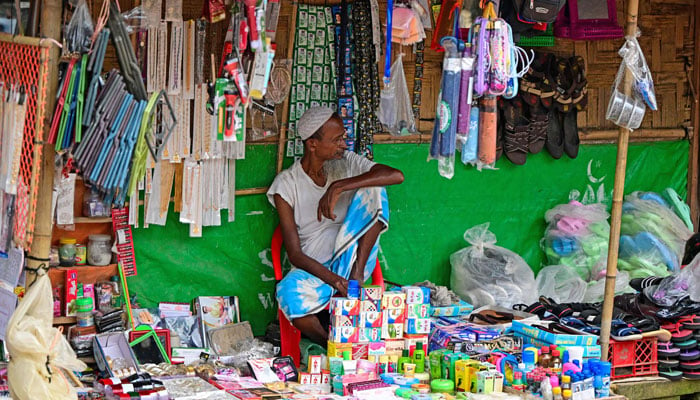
312	120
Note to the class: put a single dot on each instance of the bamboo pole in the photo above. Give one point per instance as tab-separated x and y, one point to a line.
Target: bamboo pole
618	193
50	28
693	196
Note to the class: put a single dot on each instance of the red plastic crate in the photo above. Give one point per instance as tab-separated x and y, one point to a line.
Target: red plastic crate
633	358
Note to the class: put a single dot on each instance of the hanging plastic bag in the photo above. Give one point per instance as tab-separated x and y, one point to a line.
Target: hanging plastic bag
395	103
624	110
136	19
79	30
685	283
484	273
443	143
561	283
40	355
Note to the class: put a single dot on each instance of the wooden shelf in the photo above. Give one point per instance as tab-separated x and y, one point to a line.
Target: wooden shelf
89	220
86	273
63	320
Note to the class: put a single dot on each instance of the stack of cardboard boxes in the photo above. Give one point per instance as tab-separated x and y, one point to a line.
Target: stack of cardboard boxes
380	323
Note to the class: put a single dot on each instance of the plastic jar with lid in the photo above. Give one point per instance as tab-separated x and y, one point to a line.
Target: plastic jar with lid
66	253
84	316
99	250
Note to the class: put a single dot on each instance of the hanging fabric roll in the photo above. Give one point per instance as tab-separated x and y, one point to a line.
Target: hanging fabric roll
487	131
343	51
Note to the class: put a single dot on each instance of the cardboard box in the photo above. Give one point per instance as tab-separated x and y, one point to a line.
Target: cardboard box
392	331
325	377
71	292
371	319
314	364
370	335
393	316
409	343
347	334
343	306
394	347
393	300
418	310
315	379
417	325
370	306
336	349
305	378
461	308
537	334
376	349
341	321
112	346
416	294
372	293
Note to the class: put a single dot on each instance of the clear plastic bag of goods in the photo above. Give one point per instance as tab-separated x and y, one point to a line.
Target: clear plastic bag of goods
596	289
652	236
577	236
484	273
40	357
561	283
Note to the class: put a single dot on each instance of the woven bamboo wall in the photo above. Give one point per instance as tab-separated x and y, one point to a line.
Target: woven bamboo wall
667	26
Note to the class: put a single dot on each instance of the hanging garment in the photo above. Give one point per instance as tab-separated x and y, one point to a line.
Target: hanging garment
366	75
313	75
442	146
344	83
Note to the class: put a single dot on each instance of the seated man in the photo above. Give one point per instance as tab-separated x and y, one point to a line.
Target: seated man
332	208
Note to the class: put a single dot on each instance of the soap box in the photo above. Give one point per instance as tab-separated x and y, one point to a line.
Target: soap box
417	325
371	293
343	306
345	334
344	320
370	306
370	334
376	349
410	341
371	319
393	347
394	300
392	331
418	310
416	294
314	364
71	292
393	316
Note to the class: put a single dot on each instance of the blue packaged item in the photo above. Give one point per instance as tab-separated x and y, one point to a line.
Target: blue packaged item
353	289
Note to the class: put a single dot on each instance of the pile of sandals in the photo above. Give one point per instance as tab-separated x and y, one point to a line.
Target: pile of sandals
544	113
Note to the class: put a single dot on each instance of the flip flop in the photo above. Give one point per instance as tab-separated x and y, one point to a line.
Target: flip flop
622	331
689	355
678	334
646	242
651	196
572	226
643	283
687	344
601	229
628	247
678	206
692	375
690	365
671	375
668	363
564	246
666	349
690	322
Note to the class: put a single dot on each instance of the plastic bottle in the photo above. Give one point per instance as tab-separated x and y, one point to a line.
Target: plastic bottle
518	381
566	394
545	358
598	385
419	357
403	360
605	368
546	389
565	382
556	393
555	363
554	380
529	359
353	289
570	367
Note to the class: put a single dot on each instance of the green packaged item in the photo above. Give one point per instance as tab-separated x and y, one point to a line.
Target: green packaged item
442	386
405	393
436	363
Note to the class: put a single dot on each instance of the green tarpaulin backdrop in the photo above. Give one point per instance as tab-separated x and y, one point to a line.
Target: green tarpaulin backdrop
429	215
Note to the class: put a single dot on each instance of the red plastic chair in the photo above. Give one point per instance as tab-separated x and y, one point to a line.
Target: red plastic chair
289	335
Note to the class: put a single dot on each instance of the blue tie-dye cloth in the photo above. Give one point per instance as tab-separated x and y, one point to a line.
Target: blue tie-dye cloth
300	293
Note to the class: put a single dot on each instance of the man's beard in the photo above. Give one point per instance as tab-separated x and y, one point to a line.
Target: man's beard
335	169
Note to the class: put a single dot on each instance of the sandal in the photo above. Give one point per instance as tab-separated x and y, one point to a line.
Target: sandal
668	363
668	350
692	375
621	331
516	132
687	344
579	325
690	322
689	355
677	333
690	365
670	374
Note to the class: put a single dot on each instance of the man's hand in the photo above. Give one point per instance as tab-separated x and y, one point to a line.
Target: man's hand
327	203
341	285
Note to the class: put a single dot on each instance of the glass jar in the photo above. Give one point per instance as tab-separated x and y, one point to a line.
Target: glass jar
84	316
66	253
99	250
93	206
